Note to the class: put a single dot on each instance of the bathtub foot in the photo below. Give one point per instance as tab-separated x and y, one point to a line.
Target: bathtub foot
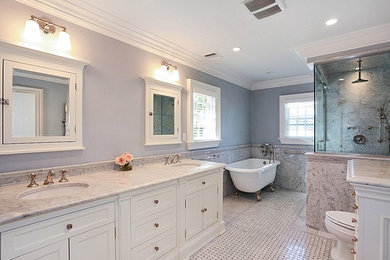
258	195
271	186
236	193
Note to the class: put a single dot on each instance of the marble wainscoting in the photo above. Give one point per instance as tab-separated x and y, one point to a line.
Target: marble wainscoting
222	155
327	187
291	173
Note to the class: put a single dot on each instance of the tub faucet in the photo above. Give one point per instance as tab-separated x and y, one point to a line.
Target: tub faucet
49	178
268	149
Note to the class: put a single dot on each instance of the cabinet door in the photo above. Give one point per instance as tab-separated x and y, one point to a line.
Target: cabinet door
210	202
194	215
56	251
97	244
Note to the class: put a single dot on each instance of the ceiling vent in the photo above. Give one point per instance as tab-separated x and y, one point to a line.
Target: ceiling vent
264	8
212	56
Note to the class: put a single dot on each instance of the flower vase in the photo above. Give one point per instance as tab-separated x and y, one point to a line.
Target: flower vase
126	167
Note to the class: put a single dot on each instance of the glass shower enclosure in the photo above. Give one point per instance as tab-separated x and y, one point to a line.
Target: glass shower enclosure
352	105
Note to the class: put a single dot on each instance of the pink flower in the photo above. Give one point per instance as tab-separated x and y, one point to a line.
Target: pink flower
124	159
120	161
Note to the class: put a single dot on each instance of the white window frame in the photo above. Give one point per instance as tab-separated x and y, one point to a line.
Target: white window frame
283	99
203	88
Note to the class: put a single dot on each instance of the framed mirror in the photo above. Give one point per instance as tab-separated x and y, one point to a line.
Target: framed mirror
162	112
41	104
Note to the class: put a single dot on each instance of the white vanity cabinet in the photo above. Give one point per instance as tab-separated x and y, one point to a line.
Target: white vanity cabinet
84	234
201	218
170	220
154	223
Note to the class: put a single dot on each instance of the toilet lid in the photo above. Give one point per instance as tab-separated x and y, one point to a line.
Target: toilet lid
342	218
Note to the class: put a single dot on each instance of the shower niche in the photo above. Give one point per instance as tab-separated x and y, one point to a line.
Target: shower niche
352	105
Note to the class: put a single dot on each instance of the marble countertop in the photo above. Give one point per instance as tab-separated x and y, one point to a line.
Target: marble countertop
101	185
369	172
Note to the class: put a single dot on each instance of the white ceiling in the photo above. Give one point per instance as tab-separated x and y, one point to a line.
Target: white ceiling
199	27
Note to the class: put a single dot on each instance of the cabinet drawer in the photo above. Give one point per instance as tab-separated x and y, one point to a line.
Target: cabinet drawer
201	183
152	226
25	239
156	247
149	203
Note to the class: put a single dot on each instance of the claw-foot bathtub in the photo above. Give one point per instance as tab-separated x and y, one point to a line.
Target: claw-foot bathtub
251	175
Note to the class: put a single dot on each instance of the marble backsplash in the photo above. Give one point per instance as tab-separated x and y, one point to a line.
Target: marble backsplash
327	187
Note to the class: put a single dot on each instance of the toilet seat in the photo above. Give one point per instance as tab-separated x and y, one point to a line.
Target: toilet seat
342	219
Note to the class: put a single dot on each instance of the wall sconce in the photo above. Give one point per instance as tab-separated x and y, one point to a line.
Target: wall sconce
167	73
32	33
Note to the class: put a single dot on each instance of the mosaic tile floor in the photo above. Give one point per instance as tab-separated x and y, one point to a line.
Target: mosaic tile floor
273	228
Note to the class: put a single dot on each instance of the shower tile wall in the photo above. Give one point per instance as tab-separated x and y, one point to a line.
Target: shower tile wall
352	108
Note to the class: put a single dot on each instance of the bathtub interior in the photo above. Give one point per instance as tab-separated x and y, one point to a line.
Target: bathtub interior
252	163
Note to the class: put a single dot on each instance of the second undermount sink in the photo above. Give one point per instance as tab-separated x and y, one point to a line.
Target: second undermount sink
54	190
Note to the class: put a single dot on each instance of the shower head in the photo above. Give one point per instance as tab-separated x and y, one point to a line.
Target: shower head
360	80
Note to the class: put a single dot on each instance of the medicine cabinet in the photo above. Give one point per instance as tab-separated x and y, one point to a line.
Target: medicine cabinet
41	101
162	112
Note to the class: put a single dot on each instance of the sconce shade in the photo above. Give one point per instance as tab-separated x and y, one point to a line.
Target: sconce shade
63	42
175	75
31	31
163	68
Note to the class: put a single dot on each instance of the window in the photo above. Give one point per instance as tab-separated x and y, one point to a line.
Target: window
297	118
204	123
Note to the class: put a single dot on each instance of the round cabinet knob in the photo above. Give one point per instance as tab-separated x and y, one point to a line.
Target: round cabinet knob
202	210
354	239
156	201
354	220
156	224
203	182
205	209
69	226
355	207
156	248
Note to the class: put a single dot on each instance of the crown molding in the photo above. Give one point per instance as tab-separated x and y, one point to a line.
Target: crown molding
90	17
364	40
282	82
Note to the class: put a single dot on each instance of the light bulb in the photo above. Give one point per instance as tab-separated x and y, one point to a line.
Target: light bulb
31	31
63	42
331	21
175	75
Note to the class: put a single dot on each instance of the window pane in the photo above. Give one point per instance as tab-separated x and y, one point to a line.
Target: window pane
204	117
299	118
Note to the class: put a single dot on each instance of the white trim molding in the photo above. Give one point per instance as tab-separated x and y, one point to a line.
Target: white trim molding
364	40
197	86
91	17
282	82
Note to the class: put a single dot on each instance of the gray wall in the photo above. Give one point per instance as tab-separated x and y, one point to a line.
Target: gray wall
265	112
113	103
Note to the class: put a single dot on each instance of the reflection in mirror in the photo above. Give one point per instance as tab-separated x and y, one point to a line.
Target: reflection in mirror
163	115
40	104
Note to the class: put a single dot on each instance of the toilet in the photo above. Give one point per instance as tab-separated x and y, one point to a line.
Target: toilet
339	224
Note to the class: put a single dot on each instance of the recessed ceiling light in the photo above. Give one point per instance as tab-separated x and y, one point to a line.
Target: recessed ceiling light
331	21
236	49
341	79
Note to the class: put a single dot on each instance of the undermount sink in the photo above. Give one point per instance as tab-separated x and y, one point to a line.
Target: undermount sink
54	190
187	164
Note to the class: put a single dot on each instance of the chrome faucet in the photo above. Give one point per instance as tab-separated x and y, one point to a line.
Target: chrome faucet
176	158
63	178
49	178
268	149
